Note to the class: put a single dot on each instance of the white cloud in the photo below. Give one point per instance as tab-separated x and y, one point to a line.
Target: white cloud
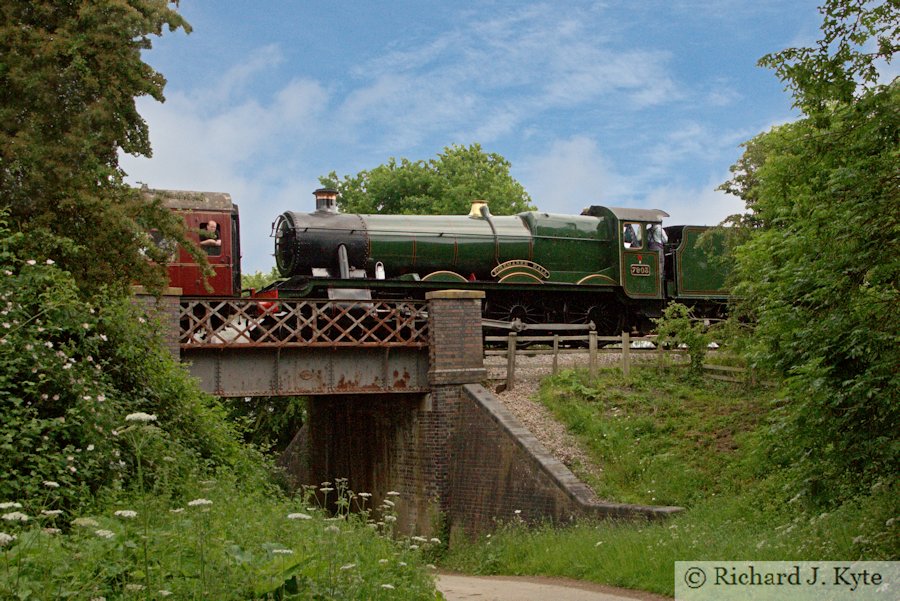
569	176
704	205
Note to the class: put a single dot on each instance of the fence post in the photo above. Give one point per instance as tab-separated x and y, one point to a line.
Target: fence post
626	354
510	361
555	354
592	353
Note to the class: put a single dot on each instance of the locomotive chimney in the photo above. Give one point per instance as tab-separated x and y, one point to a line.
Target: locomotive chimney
478	210
326	200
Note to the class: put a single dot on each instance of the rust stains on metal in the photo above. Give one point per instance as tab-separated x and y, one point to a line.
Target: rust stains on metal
401	381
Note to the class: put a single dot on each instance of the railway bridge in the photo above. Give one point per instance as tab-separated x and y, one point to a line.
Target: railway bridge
395	403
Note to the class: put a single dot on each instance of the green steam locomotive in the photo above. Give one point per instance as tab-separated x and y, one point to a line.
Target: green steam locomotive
614	267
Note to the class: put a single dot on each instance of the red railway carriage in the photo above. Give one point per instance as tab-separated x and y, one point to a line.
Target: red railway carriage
212	220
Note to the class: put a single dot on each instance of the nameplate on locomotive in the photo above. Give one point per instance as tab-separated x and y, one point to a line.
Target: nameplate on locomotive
520	263
640	270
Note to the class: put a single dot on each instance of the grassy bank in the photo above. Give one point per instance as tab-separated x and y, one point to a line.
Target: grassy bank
217	540
664	439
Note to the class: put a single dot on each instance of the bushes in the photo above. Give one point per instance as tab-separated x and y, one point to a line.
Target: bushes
71	369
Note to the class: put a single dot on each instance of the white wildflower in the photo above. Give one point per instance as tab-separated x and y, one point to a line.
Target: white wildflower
15	516
10	505
390	518
140	417
299	516
388	502
51	531
179	510
51	484
517	511
31	262
348	566
436	541
5	538
90	447
420	539
85	522
383	561
50	262
393	493
199	502
51	512
104	533
126	513
364	495
414	547
389	587
283	551
134	587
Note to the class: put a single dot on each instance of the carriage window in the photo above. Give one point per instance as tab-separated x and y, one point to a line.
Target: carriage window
631	236
210	239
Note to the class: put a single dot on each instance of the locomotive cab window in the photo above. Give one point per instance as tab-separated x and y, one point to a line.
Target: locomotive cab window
656	237
632	235
210	239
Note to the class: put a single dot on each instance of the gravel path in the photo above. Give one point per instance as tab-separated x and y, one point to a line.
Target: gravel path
523	404
457	587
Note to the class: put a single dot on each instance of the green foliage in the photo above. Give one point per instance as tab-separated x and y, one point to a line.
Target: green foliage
259	279
268	422
818	274
218	540
68	81
446	185
844	64
677	326
71	370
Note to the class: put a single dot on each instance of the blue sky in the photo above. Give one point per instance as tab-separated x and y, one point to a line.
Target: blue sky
622	103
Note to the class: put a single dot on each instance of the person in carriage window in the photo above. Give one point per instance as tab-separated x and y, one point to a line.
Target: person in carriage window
209	238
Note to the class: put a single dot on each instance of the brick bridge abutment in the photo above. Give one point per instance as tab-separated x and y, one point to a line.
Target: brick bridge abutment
460	461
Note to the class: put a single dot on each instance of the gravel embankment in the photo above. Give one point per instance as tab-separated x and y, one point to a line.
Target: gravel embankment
523	404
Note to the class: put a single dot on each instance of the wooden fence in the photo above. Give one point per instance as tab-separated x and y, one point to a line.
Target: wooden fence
557	345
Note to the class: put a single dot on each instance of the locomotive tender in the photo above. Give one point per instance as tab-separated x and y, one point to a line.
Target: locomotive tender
614	267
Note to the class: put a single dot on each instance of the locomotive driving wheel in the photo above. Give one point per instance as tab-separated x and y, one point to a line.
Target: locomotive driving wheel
607	315
520	310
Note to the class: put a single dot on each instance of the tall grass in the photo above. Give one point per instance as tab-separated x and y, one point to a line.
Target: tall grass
217	541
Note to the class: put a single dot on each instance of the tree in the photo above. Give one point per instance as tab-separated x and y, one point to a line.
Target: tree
69	76
820	267
445	185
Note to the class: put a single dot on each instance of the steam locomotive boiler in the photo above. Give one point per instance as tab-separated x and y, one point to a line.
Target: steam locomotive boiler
615	267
